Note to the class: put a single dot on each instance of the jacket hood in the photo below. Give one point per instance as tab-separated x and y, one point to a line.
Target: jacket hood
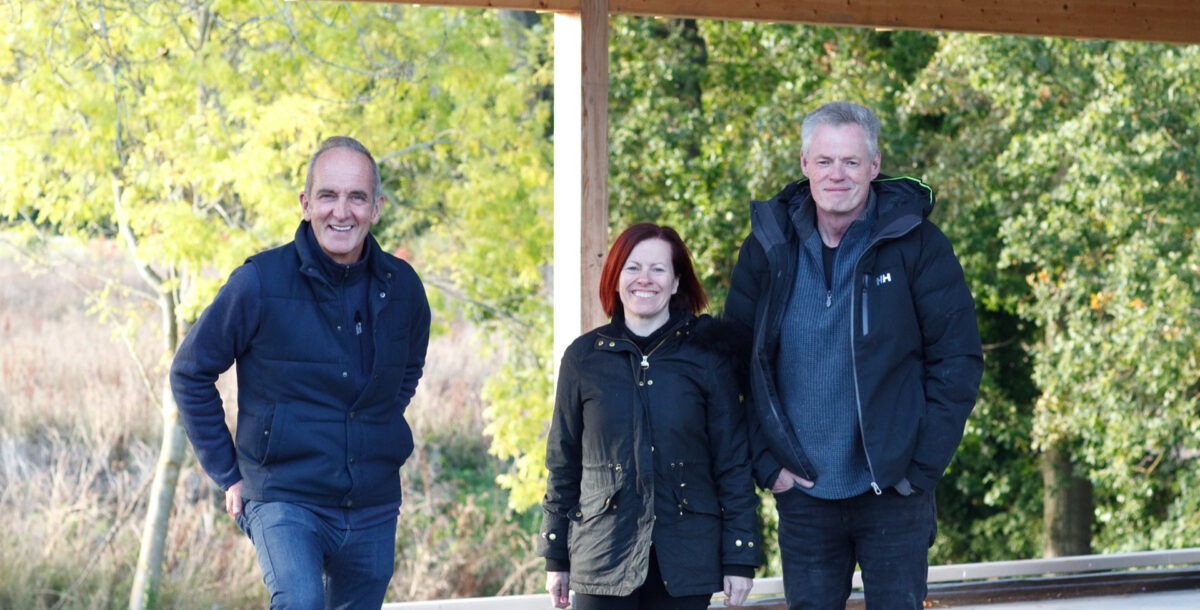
897	200
907	196
729	339
901	195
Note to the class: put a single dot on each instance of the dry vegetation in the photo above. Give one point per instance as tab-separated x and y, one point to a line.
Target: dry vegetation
79	432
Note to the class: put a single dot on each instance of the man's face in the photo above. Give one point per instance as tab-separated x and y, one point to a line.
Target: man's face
840	170
340	204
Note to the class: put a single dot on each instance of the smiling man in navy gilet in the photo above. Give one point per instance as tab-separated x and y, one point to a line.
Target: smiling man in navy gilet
865	364
329	334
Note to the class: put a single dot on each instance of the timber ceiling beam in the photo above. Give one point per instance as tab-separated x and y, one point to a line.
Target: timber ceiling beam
1174	21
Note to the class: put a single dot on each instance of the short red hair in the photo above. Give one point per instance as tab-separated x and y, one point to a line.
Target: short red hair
690	297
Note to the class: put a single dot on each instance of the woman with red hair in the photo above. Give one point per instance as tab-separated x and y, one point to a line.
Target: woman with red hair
650	503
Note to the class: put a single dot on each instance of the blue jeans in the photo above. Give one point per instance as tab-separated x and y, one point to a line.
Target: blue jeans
310	564
888	535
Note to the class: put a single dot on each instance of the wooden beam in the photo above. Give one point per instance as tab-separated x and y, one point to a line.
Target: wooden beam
580	168
1148	20
1175	21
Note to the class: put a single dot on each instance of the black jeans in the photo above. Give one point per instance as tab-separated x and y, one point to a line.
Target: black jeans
888	535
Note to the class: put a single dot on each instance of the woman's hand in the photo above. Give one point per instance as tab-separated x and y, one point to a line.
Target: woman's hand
737	588
558	584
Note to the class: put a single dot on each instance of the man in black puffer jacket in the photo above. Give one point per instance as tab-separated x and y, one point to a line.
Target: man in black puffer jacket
865	361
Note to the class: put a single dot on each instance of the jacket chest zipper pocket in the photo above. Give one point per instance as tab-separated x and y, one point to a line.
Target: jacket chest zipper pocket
866	316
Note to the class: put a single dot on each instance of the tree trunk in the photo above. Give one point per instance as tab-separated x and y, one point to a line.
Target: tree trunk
148	574
158	512
1067	509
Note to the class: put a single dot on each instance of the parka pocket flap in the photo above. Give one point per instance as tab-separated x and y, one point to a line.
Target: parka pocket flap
595	503
701	504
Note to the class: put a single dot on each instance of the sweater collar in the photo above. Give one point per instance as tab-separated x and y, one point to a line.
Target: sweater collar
332	271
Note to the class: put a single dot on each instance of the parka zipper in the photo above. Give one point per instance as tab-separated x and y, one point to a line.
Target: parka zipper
645	364
640	374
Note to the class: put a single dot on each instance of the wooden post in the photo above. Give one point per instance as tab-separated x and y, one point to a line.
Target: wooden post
580	168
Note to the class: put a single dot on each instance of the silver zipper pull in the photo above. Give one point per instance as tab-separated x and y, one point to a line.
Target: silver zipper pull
645	362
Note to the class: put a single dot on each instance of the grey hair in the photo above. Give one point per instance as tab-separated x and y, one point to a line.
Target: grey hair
352	144
841	113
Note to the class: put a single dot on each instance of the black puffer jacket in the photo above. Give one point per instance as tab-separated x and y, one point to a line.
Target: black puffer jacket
649	450
916	348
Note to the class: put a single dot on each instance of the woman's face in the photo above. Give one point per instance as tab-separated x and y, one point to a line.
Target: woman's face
647	282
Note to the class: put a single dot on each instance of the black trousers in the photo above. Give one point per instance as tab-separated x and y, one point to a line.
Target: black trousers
652	595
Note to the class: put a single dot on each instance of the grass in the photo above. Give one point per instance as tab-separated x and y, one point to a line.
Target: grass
80	426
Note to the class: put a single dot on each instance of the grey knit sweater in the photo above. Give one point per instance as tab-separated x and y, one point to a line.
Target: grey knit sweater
816	378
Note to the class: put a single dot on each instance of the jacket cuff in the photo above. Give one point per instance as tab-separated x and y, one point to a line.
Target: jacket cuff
552	540
740	549
768	481
739	570
919	481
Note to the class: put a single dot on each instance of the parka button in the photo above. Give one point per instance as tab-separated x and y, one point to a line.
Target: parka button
553	537
750	544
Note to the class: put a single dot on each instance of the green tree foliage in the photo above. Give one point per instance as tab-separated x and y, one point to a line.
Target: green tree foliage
183	128
1075	165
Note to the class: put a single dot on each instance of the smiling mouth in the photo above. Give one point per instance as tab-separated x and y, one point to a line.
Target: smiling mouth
340	229
642	294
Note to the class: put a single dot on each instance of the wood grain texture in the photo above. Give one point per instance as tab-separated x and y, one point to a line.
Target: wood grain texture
1175	21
